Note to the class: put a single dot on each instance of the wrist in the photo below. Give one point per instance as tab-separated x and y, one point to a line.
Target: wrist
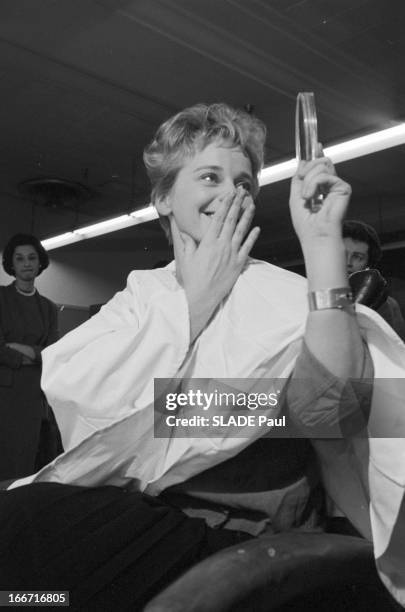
200	311
322	243
325	263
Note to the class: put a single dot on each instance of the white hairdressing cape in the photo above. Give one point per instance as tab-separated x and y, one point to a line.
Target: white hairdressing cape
99	380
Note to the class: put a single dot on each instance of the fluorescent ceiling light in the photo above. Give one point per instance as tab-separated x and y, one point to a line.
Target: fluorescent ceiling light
111	225
357	147
59	241
145	214
98	229
364	145
278	172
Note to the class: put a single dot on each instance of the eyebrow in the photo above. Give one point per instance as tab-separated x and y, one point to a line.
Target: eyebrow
245	175
217	168
220	169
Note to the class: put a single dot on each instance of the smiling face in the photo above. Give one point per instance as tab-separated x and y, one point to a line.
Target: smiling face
357	253
25	263
210	174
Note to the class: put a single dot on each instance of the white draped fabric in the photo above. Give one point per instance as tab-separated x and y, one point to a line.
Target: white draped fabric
99	381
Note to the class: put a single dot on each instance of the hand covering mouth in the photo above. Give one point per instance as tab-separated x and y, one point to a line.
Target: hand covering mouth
209	213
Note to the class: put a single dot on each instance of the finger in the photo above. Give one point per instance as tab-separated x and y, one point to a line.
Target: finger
217	219
300	172
319	150
304	167
233	215
248	244
317	165
189	245
178	243
324	166
296	185
328	182
177	236
243	225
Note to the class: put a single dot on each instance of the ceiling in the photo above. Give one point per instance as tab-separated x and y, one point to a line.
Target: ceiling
85	84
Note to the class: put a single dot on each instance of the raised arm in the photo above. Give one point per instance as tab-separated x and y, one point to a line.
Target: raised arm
332	335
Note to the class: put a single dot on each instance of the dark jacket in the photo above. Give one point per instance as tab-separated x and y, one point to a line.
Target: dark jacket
11	330
391	312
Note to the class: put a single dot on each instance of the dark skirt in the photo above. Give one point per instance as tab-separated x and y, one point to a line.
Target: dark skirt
21	413
110	548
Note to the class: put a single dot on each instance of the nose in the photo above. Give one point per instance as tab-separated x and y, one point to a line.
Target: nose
231	189
228	187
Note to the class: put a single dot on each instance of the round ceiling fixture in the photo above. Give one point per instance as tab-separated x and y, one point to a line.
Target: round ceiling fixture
53	192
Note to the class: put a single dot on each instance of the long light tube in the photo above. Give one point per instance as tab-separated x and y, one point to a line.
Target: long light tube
350	149
98	229
356	147
59	241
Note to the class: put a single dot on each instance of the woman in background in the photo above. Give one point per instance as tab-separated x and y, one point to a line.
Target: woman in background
28	323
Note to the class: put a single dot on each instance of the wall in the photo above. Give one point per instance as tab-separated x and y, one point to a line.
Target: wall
84	278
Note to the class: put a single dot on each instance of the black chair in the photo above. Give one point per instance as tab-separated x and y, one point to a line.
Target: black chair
289	572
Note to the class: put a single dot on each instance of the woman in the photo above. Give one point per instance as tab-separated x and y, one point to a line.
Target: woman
28	323
213	314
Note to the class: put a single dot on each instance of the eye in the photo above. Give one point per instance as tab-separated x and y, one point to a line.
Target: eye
247	185
210	178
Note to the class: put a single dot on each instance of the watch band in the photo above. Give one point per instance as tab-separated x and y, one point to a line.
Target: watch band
340	298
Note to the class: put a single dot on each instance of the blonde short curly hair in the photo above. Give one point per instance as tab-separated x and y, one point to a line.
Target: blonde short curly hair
191	130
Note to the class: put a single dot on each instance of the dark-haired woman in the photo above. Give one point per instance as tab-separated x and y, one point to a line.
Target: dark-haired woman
28	323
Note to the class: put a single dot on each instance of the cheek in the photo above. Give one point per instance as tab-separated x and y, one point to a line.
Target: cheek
182	207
